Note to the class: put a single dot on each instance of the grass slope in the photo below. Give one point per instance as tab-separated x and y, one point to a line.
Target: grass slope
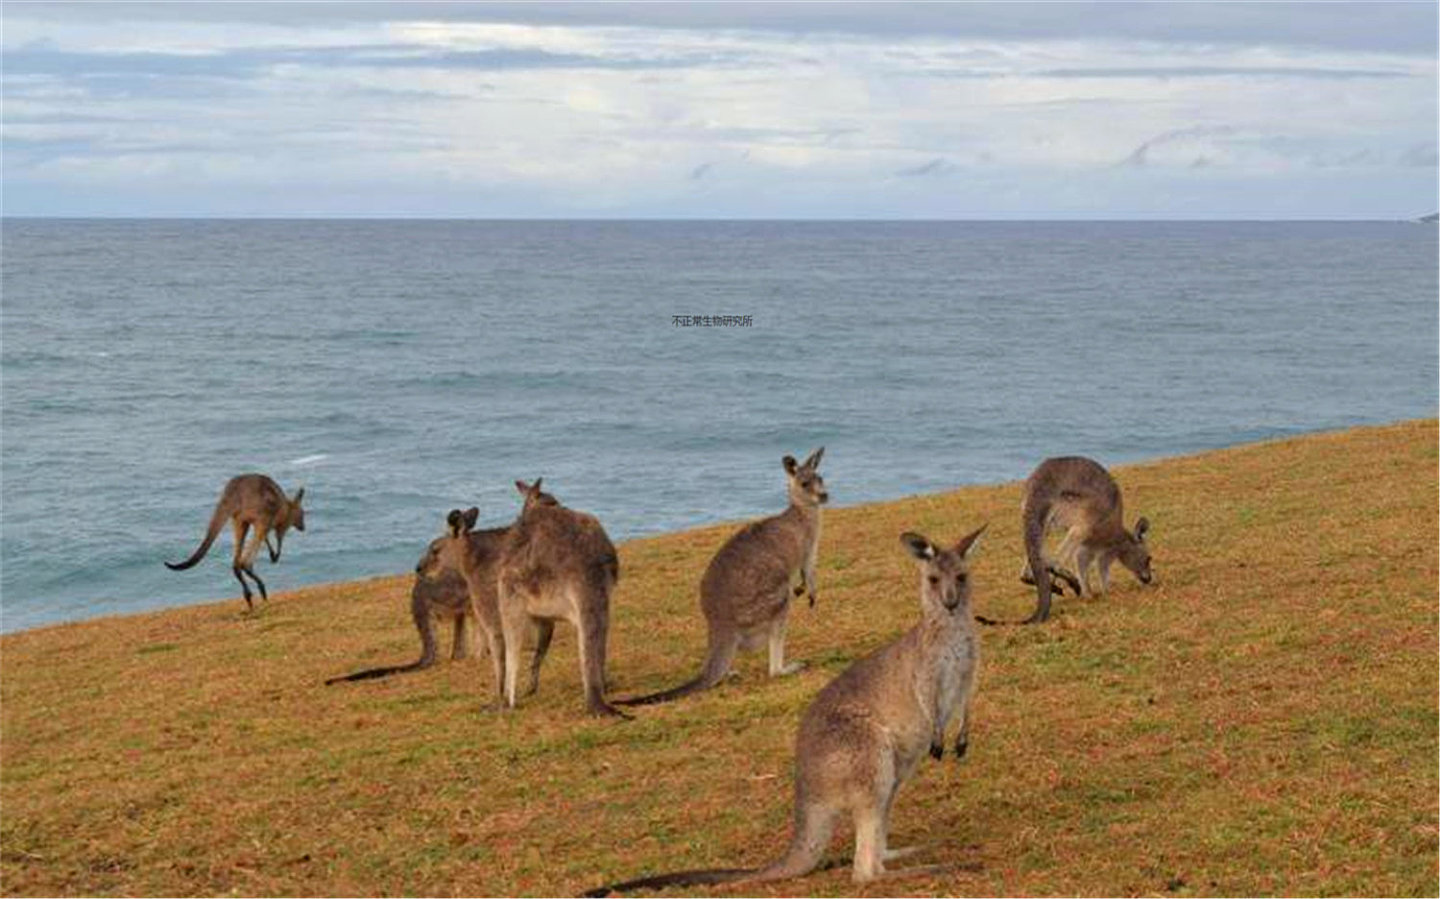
1262	721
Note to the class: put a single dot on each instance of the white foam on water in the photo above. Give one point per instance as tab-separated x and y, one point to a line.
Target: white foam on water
308	460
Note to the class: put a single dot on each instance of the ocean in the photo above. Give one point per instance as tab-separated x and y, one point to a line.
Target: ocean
398	369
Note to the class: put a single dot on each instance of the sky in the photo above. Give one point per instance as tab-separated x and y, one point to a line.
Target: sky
1009	110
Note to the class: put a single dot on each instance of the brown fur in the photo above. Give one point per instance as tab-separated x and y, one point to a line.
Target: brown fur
440	594
475	556
554	564
869	729
1078	496
746	590
250	501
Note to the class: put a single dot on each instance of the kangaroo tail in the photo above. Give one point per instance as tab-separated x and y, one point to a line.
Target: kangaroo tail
1034	528
814	825
217	521
372	673
676	879
717	662
1035	553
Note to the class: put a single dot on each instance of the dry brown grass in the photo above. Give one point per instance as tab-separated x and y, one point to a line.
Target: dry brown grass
1263	721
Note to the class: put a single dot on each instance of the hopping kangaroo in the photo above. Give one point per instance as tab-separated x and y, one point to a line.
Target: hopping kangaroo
251	501
442	593
1078	496
868	730
745	593
556	564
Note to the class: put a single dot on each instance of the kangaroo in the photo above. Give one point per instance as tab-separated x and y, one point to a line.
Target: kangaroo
251	501
864	735
745	592
555	564
471	556
439	593
1078	496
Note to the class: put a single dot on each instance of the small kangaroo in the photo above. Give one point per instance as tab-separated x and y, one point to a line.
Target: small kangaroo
868	730
440	593
556	564
251	500
745	592
1076	495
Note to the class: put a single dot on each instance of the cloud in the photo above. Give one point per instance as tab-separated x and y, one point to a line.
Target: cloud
576	109
1140	156
935	167
1421	155
1393	27
1223	72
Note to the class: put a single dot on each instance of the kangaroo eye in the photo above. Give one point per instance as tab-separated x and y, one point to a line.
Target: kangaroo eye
934	581
960	578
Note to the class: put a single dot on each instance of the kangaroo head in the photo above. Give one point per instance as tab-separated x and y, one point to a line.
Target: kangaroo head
534	496
805	485
1133	552
449	551
944	573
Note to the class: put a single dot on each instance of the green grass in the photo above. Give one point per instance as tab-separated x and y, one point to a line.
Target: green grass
1262	721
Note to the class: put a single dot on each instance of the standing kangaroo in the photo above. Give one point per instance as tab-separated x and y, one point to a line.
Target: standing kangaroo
868	730
556	564
441	593
470	556
745	593
251	500
1078	496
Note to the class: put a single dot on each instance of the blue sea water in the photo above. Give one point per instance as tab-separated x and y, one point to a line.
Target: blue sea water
398	369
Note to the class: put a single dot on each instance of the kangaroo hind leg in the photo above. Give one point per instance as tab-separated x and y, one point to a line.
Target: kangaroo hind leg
237	562
778	668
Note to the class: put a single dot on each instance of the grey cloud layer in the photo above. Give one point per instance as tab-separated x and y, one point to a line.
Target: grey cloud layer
1398	27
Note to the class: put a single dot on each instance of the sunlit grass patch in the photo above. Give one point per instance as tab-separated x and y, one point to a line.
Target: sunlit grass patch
1262	721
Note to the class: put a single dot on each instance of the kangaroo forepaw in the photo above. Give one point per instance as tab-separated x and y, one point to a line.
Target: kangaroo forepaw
799	590
960	748
813	597
937	750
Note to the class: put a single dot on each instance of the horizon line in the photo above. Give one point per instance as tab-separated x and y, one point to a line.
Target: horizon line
680	219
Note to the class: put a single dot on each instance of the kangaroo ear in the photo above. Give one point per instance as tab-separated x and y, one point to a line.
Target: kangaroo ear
1142	527
523	487
471	516
970	541
790	464
919	547
814	461
536	486
456	522
299	495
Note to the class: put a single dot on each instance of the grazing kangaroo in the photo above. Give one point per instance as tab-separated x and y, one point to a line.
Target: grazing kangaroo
745	592
556	564
1078	496
441	593
251	501
868	730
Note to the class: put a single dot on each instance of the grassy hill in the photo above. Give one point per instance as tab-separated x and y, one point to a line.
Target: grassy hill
1261	721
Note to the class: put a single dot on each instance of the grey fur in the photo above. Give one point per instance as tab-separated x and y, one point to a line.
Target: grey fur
746	590
1078	496
869	729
